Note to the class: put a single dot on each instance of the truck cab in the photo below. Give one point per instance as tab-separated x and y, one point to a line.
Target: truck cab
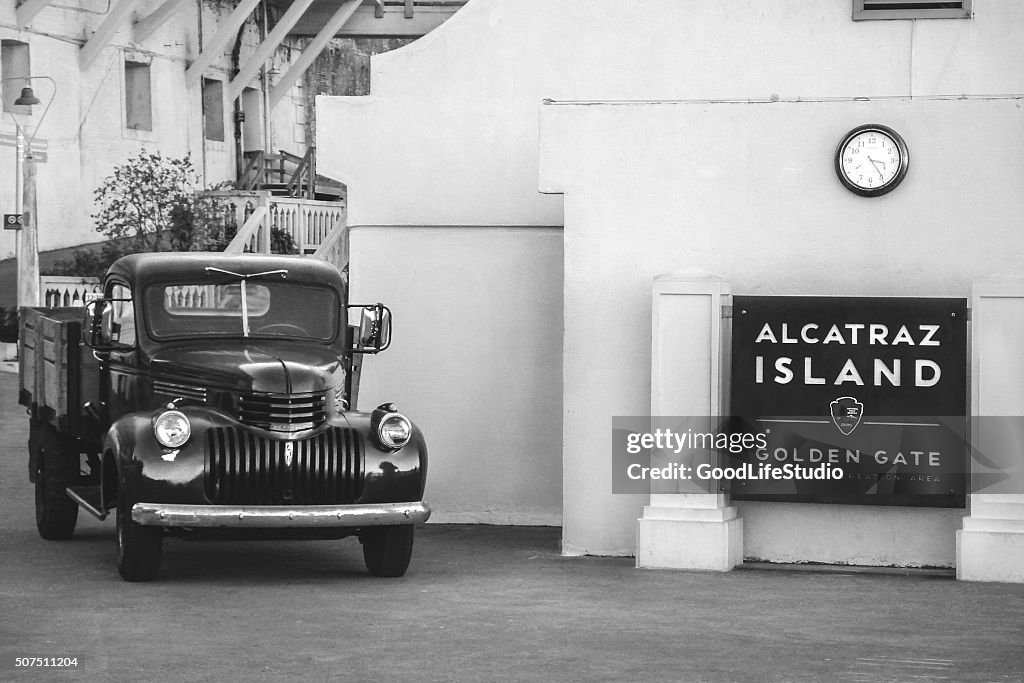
214	396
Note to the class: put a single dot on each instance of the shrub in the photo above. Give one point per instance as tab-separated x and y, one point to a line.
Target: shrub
8	324
91	261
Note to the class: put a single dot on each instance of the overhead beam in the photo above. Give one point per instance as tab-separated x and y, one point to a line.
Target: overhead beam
259	57
144	27
215	47
312	51
117	16
393	21
28	10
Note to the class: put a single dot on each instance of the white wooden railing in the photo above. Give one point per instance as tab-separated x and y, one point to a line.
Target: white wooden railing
317	228
62	291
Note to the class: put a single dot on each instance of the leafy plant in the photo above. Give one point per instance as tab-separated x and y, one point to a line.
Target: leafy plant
135	203
281	242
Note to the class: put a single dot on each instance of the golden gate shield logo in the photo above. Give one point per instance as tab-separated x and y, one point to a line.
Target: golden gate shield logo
846	413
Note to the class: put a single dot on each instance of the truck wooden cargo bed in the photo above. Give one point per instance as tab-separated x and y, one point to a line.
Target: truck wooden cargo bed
57	372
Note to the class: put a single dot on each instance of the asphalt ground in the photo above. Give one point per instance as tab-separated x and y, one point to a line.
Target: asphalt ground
480	603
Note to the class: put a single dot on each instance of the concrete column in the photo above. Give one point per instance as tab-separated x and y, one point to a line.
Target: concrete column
28	242
689	375
990	547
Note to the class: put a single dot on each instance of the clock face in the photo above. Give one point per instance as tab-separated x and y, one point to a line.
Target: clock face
872	160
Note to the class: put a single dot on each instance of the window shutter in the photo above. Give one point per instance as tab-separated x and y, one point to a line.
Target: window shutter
910	9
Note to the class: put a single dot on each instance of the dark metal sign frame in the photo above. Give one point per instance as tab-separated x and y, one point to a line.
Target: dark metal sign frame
876	386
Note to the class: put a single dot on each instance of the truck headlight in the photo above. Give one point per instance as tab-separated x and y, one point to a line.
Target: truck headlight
394	431
172	428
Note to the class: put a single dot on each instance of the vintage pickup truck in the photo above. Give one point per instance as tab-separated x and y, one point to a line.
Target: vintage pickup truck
214	395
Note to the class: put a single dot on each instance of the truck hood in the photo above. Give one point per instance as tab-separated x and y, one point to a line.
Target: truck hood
284	367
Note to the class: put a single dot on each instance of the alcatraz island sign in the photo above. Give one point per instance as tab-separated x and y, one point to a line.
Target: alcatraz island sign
876	387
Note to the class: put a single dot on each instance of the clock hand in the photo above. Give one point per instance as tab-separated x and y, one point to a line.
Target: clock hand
875	164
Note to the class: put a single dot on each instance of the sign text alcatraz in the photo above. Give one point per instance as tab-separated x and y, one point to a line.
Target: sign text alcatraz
879	370
871	384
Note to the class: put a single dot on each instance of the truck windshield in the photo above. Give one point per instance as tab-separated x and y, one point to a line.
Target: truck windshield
241	308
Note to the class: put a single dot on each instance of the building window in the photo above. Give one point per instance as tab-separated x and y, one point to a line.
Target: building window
910	9
213	109
14	64
138	105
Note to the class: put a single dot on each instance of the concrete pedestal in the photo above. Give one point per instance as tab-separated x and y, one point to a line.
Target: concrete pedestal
689	530
992	549
673	536
990	546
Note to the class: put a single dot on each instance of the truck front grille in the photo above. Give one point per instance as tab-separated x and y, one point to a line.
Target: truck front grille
246	469
283	412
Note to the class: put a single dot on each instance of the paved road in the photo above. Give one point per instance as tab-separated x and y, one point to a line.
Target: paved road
479	604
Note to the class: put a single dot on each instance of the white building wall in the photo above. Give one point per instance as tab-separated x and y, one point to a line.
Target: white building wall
450	136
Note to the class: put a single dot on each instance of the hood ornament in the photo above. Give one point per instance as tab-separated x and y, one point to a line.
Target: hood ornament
289	449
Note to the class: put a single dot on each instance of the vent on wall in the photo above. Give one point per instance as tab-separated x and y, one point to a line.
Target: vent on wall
910	9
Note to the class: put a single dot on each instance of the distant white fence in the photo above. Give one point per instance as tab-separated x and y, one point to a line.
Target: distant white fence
56	291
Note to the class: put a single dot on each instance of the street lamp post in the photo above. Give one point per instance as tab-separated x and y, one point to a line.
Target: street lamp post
27	239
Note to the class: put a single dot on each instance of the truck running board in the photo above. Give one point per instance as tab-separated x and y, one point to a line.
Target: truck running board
88	498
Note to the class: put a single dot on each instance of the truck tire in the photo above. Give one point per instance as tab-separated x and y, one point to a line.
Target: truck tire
57	468
138	547
387	549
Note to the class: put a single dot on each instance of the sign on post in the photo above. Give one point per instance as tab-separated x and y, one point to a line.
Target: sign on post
874	387
13	221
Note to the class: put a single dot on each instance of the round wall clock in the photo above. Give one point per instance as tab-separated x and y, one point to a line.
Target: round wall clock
872	160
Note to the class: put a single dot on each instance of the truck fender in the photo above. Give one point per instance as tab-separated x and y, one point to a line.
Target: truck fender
118	455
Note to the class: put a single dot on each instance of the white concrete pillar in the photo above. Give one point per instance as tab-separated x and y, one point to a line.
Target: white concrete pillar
990	547
688	378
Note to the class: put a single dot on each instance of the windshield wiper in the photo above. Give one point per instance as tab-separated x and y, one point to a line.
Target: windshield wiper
244	277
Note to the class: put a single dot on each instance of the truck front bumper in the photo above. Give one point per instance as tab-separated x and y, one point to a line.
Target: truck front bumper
275	516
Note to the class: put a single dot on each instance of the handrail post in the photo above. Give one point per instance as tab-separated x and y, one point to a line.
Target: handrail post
264	234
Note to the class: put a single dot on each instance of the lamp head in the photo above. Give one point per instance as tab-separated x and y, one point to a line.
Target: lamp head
28	98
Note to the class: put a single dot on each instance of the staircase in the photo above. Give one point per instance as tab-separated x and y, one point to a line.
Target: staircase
288	175
283	191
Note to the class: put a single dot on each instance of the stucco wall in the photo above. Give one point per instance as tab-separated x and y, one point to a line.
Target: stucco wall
449	136
475	361
747	191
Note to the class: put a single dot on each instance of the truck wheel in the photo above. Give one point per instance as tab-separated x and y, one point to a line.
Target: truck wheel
387	549
57	467
138	546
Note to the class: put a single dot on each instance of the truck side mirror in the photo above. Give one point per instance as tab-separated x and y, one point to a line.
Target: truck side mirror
374	332
98	327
